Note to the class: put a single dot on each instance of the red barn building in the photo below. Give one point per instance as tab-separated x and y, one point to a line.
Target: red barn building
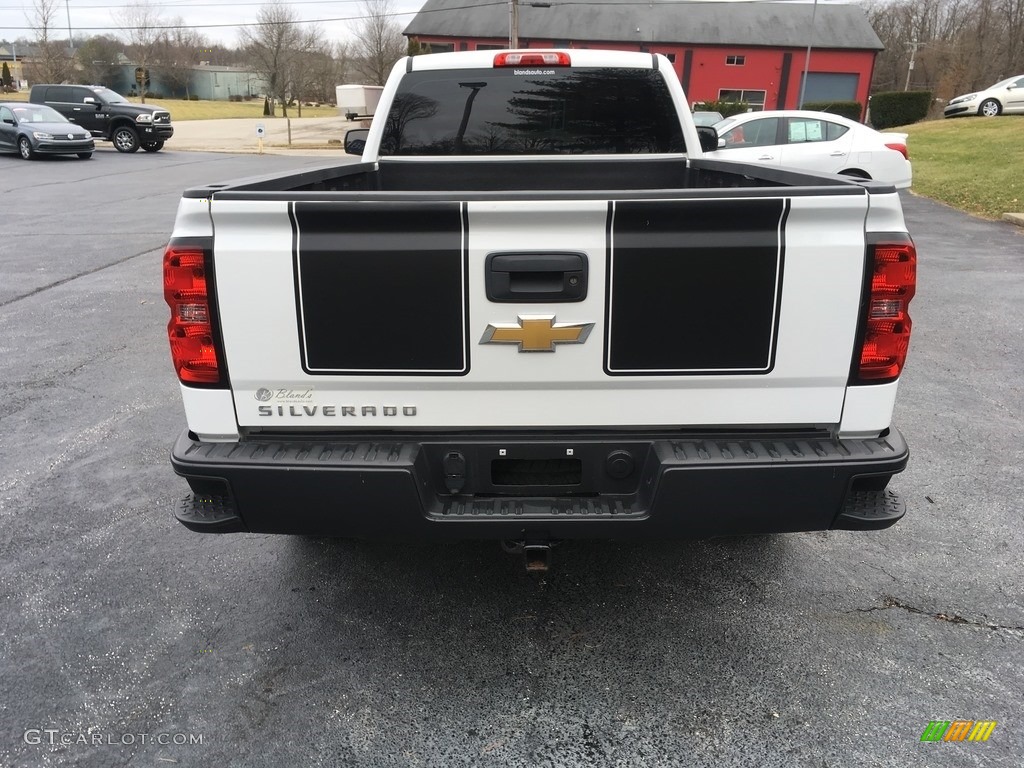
752	52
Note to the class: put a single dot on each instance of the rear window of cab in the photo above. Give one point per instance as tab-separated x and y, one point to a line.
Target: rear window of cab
533	110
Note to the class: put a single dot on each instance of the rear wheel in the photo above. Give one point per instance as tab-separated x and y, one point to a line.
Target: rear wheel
153	146
25	148
855	173
125	139
85	155
990	108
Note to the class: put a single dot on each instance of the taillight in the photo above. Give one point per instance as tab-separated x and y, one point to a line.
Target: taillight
532	59
901	148
190	330
886	338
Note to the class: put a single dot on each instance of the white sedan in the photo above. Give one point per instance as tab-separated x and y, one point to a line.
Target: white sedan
814	141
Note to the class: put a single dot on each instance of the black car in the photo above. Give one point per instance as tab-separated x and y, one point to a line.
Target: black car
34	129
108	115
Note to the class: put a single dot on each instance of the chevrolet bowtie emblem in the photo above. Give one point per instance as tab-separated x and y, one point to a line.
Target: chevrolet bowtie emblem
536	333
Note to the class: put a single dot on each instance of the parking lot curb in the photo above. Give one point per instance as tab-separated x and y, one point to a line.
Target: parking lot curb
1014	218
269	150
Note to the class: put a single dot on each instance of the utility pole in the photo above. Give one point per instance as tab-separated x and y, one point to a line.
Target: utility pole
513	20
67	8
914	45
807	58
513	23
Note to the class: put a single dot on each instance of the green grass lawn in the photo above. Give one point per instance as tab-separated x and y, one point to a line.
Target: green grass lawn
975	164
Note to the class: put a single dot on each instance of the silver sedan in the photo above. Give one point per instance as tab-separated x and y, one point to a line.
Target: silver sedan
1006	96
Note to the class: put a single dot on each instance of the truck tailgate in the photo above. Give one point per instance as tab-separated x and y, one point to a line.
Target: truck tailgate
416	314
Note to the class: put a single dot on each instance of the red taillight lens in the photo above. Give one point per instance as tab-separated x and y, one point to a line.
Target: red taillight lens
901	148
190	330
887	332
532	59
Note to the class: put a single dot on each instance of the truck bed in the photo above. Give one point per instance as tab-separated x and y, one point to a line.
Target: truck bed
584	178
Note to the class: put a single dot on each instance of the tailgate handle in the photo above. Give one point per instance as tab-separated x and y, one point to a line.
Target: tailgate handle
536	276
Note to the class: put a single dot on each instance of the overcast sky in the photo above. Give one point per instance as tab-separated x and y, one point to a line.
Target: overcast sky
217	19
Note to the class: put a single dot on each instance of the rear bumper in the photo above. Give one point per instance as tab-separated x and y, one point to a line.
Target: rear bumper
615	486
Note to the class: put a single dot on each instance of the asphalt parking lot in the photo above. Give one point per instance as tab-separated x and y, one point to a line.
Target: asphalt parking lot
122	634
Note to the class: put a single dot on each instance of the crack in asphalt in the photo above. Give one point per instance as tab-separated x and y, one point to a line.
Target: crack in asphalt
86	273
889	602
53	379
880	568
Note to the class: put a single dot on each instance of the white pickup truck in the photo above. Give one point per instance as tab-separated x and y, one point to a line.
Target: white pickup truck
533	312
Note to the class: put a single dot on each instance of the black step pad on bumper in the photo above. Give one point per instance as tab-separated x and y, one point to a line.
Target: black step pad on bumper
870	510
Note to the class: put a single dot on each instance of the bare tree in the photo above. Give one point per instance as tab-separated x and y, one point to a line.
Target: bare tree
955	45
52	63
303	65
181	49
330	72
273	46
220	56
142	26
98	59
316	73
379	41
971	51
1012	14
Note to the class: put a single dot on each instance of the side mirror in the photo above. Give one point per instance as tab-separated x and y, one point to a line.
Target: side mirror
355	140
88	100
9	120
721	143
708	138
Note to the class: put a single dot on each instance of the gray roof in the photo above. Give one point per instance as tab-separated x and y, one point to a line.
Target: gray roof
776	25
9	50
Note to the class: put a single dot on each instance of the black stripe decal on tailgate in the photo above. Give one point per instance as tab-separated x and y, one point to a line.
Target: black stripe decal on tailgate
381	287
694	286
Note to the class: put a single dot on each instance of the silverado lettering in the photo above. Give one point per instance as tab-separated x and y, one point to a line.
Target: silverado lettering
331	411
745	326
